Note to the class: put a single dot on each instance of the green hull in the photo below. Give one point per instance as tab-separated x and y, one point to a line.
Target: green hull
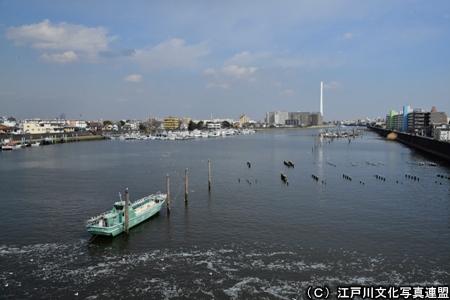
112	223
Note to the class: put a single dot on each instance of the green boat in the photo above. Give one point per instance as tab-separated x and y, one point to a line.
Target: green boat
112	223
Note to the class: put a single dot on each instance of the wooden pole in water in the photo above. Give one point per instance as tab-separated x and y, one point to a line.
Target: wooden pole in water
186	185
209	175
168	194
127	210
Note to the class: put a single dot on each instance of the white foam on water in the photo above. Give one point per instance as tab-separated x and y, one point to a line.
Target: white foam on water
235	291
235	271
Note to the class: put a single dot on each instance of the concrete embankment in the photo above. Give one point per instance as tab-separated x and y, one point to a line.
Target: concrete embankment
431	146
53	138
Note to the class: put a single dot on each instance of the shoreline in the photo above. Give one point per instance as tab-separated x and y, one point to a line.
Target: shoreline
52	138
293	128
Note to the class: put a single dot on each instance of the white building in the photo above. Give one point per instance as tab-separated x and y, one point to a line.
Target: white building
278	117
441	133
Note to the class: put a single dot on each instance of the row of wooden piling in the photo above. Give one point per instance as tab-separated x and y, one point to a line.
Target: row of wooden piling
409	176
186	185
284	178
345	176
289	163
379	177
331	164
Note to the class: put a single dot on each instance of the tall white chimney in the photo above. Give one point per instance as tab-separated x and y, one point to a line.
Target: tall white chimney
321	98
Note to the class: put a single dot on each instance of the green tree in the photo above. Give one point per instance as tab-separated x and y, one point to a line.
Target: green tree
200	125
107	122
226	124
143	127
192	125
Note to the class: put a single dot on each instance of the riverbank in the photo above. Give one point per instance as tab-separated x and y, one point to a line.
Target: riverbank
294	128
428	145
52	138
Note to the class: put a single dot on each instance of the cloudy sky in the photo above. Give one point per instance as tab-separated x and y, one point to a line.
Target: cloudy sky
131	59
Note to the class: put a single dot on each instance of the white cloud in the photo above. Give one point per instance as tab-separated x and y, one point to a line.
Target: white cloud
238	72
245	58
210	71
348	36
133	78
70	38
225	76
287	93
170	54
332	85
61	58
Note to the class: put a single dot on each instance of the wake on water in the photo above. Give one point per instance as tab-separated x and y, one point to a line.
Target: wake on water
233	271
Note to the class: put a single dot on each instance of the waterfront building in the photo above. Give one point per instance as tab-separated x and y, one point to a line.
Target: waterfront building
280	117
244	119
298	118
184	123
304	118
398	121
69	128
80	124
441	133
43	126
171	123
391	119
438	117
292	122
214	125
270	118
277	117
406	111
95	126
8	122
418	122
316	119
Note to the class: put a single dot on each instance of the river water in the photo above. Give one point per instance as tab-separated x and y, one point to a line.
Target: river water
250	237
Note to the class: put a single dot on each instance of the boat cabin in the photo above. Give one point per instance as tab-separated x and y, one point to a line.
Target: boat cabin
118	206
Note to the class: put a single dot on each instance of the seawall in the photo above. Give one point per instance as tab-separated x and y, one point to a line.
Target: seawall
54	138
428	145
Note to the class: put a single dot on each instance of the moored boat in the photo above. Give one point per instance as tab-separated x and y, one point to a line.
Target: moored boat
8	146
113	222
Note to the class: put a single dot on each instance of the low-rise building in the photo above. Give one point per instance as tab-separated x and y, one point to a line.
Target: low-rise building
94	126
70	128
171	123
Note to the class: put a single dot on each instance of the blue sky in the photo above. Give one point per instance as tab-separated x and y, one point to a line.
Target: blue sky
131	59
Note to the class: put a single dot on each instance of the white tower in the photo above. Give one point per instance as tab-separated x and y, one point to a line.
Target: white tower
321	98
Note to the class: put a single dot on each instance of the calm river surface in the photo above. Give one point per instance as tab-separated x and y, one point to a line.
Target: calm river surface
250	237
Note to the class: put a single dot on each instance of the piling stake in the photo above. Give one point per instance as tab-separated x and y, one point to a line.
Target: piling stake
127	209
209	175
186	185
168	194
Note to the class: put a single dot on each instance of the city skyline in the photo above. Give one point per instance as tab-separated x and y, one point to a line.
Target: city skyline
112	59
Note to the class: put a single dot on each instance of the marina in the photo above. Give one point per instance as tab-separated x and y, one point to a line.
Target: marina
243	234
